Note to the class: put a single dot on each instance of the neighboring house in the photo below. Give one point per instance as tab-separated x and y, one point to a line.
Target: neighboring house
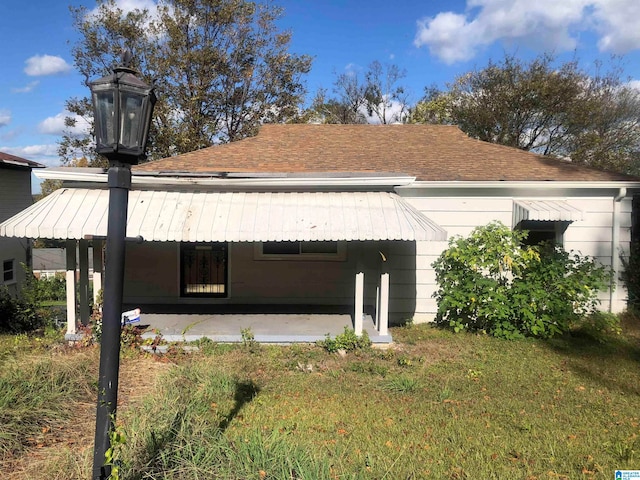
52	262
346	217
15	196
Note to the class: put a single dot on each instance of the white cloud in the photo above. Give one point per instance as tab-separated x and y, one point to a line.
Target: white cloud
39	65
27	88
395	113
617	23
56	125
130	5
5	118
542	24
46	154
634	84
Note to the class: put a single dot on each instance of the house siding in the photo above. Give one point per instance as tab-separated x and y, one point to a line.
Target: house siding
153	276
459	215
15	196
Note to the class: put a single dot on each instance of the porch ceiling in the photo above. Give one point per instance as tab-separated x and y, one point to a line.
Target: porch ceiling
77	213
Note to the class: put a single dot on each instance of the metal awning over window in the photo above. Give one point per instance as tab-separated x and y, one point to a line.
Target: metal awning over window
77	213
545	210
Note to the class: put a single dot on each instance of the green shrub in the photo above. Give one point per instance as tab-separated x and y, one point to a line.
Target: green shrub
490	282
52	289
347	341
18	314
601	326
631	276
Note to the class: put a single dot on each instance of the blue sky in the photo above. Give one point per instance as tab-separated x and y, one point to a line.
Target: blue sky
433	40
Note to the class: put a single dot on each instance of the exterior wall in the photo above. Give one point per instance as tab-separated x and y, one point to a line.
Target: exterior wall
152	276
151	273
459	214
15	196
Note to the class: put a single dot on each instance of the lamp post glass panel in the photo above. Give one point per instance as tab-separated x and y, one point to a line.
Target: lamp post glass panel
122	105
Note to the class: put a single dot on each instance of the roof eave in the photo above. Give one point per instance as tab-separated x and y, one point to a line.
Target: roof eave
526	184
99	175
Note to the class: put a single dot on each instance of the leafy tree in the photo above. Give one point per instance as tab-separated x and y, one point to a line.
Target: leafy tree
538	106
376	94
336	111
384	97
221	67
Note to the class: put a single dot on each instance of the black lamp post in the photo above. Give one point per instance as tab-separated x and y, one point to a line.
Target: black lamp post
122	105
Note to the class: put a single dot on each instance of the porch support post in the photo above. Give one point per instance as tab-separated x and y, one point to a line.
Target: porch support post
359	307
83	255
98	268
70	248
383	316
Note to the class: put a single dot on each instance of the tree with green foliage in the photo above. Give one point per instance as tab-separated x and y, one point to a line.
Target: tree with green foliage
221	67
385	98
378	94
558	110
491	282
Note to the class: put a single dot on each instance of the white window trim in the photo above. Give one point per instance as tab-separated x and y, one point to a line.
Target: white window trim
14	277
339	256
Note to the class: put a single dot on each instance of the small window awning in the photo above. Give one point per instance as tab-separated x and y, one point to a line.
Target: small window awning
545	210
188	216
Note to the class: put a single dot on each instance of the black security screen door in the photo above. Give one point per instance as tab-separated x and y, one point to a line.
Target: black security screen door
203	270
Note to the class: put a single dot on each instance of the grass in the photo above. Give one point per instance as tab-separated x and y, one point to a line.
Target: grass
436	405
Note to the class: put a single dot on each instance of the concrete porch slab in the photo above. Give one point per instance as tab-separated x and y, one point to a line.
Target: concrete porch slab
275	328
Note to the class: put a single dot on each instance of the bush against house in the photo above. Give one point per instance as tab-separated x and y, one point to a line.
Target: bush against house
492	282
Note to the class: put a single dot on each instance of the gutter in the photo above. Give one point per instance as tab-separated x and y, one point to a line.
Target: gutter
512	184
97	175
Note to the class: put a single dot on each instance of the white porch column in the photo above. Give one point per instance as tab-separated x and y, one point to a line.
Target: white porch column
383	315
98	268
83	284
70	248
359	308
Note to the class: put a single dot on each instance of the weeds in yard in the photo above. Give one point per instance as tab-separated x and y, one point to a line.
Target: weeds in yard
347	341
35	393
457	406
402	384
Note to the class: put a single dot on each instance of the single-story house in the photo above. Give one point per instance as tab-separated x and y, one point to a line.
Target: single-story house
15	196
51	262
335	217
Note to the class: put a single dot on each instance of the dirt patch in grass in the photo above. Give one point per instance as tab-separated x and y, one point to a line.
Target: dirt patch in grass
71	441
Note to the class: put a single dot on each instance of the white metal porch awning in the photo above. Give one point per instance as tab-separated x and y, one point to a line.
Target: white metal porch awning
181	216
545	210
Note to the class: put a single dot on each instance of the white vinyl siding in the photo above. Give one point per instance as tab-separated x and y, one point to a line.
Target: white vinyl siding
459	215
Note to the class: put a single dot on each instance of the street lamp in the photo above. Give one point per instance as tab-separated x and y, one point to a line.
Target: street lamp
122	108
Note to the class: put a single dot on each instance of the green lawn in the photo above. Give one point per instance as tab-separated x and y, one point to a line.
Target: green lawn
436	405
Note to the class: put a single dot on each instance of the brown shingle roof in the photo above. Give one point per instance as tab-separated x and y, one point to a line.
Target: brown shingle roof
428	152
12	160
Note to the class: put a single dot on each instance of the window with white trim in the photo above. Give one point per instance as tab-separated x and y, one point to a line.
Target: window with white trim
8	271
325	250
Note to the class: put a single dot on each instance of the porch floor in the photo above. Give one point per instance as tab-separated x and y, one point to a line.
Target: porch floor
278	328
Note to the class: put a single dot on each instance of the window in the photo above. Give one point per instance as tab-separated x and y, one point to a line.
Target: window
8	271
540	232
301	251
203	270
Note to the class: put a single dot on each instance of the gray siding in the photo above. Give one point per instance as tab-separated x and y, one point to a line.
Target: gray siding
15	196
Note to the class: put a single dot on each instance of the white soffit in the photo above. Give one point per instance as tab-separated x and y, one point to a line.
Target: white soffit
77	213
545	210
